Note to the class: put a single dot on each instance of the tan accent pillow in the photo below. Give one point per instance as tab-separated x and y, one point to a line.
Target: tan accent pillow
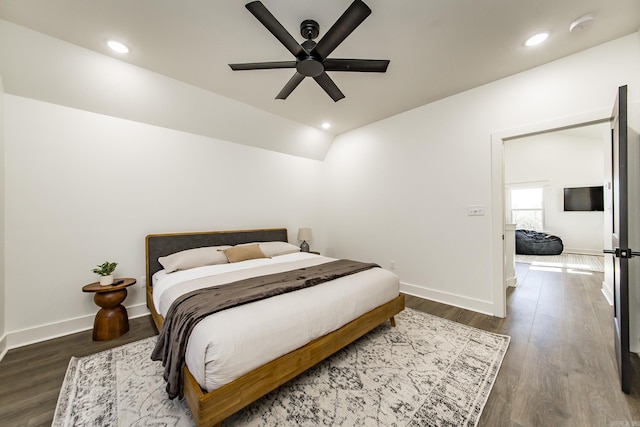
192	258
243	253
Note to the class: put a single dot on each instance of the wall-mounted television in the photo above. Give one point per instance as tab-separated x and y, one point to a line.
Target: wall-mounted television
584	199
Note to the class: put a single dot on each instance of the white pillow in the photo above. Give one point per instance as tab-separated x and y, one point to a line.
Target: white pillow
271	249
278	248
192	258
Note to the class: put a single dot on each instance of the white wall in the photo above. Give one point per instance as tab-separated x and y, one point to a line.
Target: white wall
399	189
38	66
559	160
3	337
83	188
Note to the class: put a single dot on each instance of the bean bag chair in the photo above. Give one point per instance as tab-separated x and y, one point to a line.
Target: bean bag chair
529	242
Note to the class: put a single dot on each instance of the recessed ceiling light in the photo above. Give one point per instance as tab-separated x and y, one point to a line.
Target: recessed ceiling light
326	125
117	46
537	39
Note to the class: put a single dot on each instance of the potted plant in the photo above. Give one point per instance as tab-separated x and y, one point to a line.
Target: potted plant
105	271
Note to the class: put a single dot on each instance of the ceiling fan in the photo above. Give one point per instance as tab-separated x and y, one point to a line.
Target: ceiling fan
311	57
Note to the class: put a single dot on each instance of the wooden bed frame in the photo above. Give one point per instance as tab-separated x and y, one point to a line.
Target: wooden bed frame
212	408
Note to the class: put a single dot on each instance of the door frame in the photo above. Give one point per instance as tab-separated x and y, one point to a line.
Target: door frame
498	208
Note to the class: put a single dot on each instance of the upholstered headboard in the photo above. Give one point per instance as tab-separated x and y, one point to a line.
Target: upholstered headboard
159	245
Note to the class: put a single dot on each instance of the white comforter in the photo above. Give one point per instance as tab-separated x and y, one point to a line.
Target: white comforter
232	342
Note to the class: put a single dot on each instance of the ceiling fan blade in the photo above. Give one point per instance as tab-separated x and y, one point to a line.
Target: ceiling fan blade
362	65
263	65
271	23
329	86
349	21
290	86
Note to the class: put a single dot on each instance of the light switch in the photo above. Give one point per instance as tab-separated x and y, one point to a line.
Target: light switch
475	210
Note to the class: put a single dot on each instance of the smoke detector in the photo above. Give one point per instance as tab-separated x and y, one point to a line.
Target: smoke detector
582	23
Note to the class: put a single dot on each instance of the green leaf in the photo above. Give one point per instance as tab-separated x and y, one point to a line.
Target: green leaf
105	269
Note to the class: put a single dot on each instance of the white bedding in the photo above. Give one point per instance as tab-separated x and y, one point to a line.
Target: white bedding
233	342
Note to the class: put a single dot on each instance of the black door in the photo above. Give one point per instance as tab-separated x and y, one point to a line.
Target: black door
620	238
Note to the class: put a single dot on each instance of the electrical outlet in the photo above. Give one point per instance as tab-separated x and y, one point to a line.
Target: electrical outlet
143	280
392	264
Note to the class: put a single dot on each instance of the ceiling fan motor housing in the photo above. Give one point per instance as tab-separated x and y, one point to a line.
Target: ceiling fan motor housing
307	64
309	29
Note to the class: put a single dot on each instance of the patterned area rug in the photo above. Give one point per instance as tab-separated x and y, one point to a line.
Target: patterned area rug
427	371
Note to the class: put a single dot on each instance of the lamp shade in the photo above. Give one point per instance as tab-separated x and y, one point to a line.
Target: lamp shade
304	234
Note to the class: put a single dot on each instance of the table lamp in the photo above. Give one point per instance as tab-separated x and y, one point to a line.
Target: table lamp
304	234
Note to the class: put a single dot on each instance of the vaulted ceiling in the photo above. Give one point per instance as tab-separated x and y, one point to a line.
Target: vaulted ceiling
436	47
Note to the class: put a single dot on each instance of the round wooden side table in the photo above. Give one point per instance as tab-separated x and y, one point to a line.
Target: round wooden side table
112	319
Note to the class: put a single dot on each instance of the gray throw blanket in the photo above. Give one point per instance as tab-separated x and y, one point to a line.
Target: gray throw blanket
186	311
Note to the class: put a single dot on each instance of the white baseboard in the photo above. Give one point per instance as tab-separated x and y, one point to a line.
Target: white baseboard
606	291
480	306
579	251
3	347
59	329
512	281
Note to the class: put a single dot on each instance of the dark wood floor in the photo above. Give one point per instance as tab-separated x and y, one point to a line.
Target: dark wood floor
560	366
559	369
31	376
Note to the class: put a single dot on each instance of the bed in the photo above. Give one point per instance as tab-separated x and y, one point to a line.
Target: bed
227	397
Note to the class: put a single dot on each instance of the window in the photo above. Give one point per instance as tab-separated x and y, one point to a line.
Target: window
526	208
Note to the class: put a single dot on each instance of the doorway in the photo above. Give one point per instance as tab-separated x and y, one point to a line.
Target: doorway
498	142
538	169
